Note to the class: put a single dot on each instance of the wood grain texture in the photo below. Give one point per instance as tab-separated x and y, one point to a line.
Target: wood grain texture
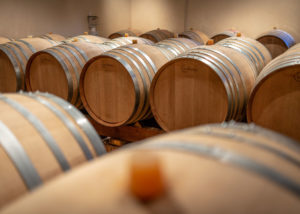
158	35
225	34
122	33
57	70
114	87
203	185
14	57
196	35
207	84
275	100
35	146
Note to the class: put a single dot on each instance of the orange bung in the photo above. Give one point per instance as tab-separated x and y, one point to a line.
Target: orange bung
146	179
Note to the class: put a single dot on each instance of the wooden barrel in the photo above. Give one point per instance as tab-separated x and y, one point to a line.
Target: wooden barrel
177	46
41	137
195	35
57	70
87	38
254	50
276	41
112	144
225	34
158	35
122	41
207	84
114	87
215	169
275	99
123	33
4	40
52	36
13	59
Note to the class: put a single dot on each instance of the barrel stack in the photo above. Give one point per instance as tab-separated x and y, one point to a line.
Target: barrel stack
57	70
87	38
276	41
195	35
158	35
114	86
128	40
275	99
176	46
207	84
225	34
123	33
53	36
256	52
13	60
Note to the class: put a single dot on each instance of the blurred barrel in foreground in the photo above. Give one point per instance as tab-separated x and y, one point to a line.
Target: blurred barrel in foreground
257	53
225	34
158	35
114	87
275	100
52	36
183	172
13	60
41	136
4	40
195	35
277	41
207	84
57	70
123	33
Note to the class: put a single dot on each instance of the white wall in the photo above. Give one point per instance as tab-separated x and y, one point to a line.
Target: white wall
151	14
114	15
251	17
20	18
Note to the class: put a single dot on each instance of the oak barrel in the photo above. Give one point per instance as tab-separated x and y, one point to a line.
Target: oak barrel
57	70
277	41
4	40
87	38
123	33
254	50
195	35
157	35
225	34
207	84
41	136
275	99
177	46
52	36
122	41
13	59
215	169
114	87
